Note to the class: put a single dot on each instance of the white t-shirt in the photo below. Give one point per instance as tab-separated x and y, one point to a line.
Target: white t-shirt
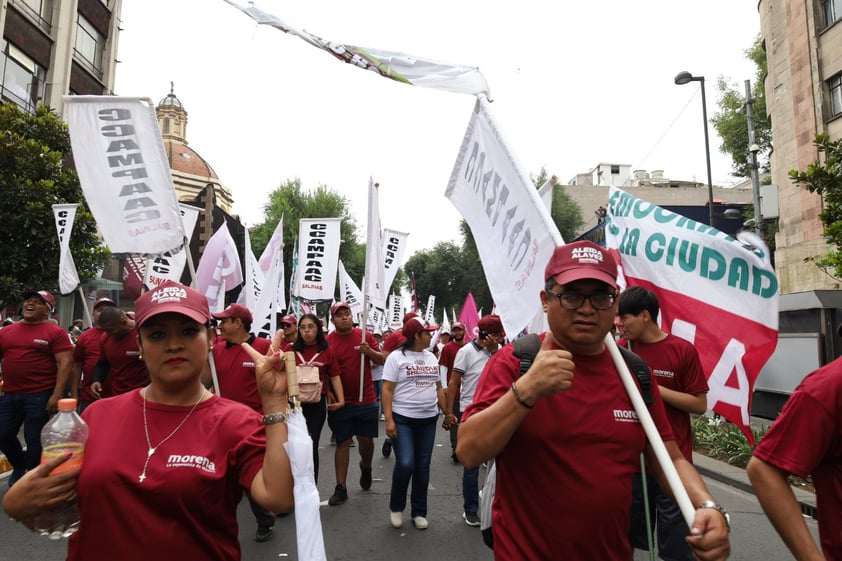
470	360
376	372
416	378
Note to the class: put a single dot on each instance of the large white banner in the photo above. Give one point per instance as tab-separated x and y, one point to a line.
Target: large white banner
68	277
704	280
273	256
124	172
394	245
512	227
318	258
350	293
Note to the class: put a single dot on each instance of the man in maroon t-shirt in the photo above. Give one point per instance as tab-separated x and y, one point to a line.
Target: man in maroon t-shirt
119	355
37	356
681	381
448	355
360	416
235	371
85	357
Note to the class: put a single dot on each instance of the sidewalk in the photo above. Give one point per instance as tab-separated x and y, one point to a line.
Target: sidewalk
736	477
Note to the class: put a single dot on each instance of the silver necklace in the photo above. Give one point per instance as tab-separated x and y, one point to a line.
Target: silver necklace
153	449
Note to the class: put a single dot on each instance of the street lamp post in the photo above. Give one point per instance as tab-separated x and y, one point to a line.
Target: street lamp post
685	78
753	149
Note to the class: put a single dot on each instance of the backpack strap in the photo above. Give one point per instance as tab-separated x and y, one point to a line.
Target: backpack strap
528	346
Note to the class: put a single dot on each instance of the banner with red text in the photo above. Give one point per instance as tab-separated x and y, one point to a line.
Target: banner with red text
124	172
719	293
318	258
514	233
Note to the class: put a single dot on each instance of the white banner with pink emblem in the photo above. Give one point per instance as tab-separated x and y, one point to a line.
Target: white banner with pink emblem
719	293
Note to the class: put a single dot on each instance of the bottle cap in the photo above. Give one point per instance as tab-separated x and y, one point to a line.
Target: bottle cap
68	404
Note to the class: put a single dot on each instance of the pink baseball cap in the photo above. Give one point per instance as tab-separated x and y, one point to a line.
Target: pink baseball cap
289	319
581	260
172	297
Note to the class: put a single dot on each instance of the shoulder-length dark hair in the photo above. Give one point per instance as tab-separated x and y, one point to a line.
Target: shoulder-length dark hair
321	341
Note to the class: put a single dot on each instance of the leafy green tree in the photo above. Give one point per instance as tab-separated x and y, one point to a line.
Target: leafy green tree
825	178
292	203
35	173
730	121
440	271
565	211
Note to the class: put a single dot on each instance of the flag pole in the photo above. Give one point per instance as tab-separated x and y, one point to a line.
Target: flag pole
85	307
362	329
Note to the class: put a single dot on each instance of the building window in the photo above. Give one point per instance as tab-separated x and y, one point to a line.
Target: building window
832	11
834	86
166	126
40	10
90	45
23	80
615	170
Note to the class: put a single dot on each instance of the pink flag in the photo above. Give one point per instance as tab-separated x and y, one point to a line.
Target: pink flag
470	317
220	263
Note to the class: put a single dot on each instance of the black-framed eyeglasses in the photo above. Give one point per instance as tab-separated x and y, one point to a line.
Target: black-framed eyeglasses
575	300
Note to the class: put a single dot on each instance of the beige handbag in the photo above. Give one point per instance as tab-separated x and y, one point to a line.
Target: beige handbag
309	382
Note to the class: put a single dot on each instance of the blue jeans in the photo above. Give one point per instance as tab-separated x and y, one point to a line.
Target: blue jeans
470	489
413	451
29	410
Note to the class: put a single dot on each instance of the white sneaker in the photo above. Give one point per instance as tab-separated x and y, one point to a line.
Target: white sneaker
420	522
396	519
382	416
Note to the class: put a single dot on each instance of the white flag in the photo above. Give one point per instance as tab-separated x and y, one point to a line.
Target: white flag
124	172
318	257
349	292
273	254
374	276
219	268
253	280
429	317
170	265
445	323
401	67
266	309
512	227
394	244
395	311
68	277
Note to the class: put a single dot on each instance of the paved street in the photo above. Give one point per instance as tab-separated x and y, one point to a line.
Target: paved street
359	529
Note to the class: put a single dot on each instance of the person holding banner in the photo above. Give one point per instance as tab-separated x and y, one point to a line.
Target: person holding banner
805	439
412	397
235	372
565	435
359	417
675	364
165	466
311	349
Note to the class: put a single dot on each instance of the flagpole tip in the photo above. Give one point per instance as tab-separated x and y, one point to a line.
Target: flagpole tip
376	185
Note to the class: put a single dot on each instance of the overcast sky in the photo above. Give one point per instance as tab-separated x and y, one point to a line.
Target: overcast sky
573	83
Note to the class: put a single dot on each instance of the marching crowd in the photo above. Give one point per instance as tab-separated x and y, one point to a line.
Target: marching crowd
559	427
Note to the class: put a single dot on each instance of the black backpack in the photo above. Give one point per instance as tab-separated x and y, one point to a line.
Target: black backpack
525	349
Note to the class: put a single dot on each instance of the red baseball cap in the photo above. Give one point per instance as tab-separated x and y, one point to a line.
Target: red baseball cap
235	311
172	296
581	260
42	295
491	324
104	302
409	315
338	306
289	320
416	325
458	325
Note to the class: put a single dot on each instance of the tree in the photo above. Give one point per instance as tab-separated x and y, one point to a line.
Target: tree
731	124
825	178
565	211
35	173
292	203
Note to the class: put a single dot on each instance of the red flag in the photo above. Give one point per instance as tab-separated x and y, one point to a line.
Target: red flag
414	295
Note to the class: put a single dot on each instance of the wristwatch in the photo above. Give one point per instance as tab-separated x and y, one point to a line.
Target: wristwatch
721	509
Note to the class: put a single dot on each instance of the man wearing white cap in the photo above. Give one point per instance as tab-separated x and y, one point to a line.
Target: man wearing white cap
37	357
